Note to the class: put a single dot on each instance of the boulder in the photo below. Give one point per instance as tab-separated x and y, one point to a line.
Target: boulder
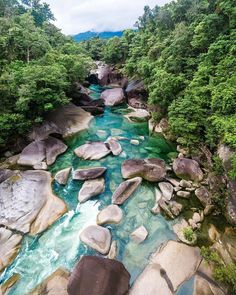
6	173
179	231
108	277
114	146
91	188
62	176
97	237
55	284
167	190
166	208
27	202
204	196
88	173
66	120
183	194
37	151
186	184
110	214
9	245
40	166
187	169
139	235
149	169
92	151
175	208
169	267
137	102
125	190
135	88
113	97
138	115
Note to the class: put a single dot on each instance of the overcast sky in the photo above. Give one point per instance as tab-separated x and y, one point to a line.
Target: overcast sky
75	16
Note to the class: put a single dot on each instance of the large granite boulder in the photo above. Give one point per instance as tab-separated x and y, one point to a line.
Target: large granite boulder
9	246
55	284
113	97
62	176
149	169
109	277
91	188
204	196
135	88
6	173
187	169
97	237
125	190
92	151
89	173
37	151
66	120
169	267
110	214
167	190
27	202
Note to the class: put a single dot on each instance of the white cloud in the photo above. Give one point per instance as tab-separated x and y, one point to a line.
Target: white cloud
74	16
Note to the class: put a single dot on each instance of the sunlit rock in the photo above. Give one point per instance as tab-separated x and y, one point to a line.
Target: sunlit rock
139	235
167	190
62	176
138	115
110	214
187	169
92	151
114	146
91	188
113	97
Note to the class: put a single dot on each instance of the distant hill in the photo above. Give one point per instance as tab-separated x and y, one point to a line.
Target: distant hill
89	34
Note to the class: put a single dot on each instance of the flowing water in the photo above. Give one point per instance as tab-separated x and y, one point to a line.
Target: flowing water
60	245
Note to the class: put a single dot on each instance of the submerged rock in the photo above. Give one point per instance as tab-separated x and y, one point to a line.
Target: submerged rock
139	235
110	214
89	173
114	146
55	284
62	176
113	97
188	169
109	277
97	237
9	247
125	190
91	188
168	268
27	202
92	151
150	169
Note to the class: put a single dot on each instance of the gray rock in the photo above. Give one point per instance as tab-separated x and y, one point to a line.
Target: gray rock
6	173
165	207
186	184
134	142
41	166
113	97
97	237
183	194
91	188
92	151
9	245
28	202
125	190
150	169
175	208
168	268
139	235
62	176
114	146
179	231
167	190
53	147
187	169
110	214
88	173
204	196
138	115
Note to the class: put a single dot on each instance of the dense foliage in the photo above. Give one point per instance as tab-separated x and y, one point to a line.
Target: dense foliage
185	52
38	64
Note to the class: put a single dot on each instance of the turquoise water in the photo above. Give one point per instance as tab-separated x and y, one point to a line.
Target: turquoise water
60	246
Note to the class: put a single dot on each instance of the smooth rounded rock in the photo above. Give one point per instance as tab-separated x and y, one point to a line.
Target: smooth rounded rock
114	146
95	275
138	115
167	190
110	214
139	235
92	151
113	97
91	188
62	176
88	173
187	169
125	190
97	237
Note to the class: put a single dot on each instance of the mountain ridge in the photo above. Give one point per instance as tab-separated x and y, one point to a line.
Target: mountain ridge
91	34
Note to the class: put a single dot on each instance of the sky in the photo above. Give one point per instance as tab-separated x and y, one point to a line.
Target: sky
76	16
